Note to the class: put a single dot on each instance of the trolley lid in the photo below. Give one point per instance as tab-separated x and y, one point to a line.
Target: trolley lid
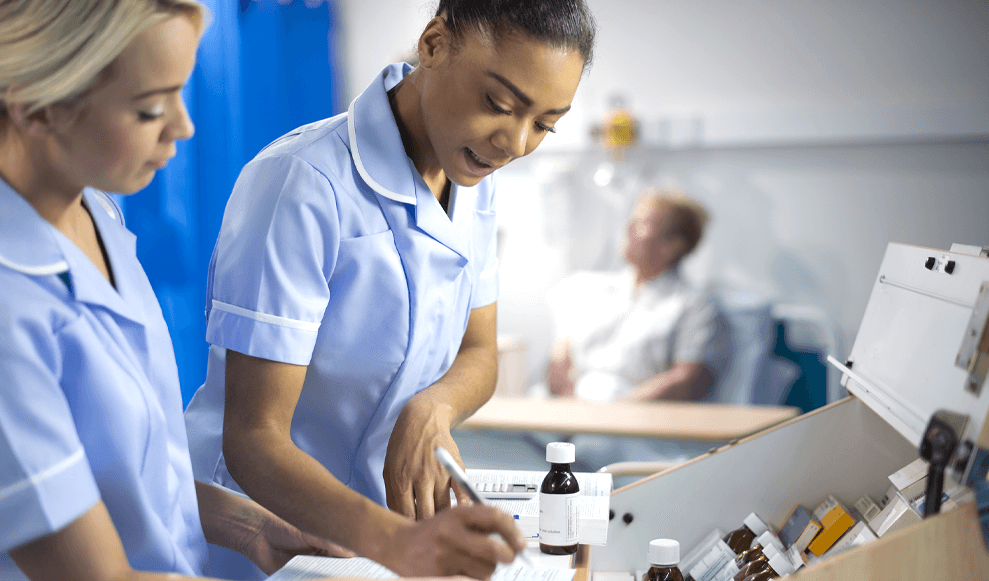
923	344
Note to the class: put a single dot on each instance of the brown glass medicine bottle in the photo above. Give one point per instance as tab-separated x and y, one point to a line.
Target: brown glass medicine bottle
558	502
741	539
757	564
664	558
778	566
755	551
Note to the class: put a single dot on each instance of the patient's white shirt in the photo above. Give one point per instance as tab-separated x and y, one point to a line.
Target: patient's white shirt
622	336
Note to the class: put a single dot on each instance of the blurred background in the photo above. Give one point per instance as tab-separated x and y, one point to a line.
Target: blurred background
814	132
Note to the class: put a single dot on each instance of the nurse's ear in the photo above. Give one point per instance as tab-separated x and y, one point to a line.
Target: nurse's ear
43	122
435	43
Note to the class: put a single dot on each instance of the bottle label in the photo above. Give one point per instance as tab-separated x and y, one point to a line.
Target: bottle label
558	519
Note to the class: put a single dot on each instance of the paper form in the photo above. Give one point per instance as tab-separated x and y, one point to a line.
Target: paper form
307	567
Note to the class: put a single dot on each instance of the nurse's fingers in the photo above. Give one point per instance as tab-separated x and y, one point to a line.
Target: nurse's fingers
465	543
488	519
478	566
400	500
462	498
425	507
475	548
441	496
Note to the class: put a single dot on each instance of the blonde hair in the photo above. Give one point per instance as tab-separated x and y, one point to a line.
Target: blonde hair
58	51
688	217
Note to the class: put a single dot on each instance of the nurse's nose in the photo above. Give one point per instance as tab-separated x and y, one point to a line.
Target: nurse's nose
513	139
181	126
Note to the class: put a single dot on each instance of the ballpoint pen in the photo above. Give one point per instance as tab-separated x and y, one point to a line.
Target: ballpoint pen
460	477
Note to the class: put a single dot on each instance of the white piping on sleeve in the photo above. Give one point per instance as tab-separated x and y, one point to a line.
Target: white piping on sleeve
264	318
352	131
61	466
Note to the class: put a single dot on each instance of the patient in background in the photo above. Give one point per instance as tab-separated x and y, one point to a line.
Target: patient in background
643	333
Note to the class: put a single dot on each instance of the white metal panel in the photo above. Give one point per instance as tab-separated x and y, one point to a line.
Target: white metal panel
843	449
904	353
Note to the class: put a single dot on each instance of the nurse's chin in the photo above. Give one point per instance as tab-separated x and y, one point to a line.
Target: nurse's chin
465	181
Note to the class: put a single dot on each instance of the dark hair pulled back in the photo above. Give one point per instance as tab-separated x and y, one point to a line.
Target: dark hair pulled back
566	24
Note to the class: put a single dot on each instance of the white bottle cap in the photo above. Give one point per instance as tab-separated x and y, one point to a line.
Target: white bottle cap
560	453
664	552
781	564
770	550
767	539
755	524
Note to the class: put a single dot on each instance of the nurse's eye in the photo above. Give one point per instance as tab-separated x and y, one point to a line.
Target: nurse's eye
495	107
545	128
152	114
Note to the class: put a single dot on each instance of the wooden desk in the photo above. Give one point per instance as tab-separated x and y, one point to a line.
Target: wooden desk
684	421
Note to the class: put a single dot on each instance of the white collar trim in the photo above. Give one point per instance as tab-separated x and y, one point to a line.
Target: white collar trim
54	268
352	131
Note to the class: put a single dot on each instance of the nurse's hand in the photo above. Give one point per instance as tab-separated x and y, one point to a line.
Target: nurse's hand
276	542
416	485
242	525
464	540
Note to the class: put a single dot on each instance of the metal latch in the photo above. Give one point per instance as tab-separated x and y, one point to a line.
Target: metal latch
973	356
939	446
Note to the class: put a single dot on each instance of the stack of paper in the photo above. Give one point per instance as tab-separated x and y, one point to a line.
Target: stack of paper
306	567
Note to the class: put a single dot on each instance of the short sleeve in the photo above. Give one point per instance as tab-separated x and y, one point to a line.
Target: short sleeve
486	241
45	478
703	336
273	258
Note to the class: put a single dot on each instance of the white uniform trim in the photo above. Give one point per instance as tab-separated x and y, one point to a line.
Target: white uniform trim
61	466
264	318
352	131
109	209
54	268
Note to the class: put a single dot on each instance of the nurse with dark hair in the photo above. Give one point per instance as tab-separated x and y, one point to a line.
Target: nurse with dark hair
352	291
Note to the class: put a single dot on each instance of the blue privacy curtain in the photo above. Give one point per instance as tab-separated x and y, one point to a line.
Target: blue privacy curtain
264	67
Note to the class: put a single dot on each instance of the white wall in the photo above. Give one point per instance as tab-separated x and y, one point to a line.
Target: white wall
736	61
805	225
816	132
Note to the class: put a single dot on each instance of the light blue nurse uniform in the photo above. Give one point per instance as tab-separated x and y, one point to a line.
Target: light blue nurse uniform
334	254
90	406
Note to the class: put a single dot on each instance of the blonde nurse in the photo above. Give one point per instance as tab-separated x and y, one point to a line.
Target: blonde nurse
95	475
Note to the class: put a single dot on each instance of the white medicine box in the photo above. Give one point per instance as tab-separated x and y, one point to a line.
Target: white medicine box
925	317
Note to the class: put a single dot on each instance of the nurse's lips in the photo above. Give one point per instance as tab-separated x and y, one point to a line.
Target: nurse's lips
478	165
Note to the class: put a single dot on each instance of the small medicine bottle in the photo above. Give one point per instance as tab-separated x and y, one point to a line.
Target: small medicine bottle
757	564
740	539
779	565
664	558
755	550
558	502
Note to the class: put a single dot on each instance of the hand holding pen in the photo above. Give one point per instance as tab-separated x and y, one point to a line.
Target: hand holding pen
460	478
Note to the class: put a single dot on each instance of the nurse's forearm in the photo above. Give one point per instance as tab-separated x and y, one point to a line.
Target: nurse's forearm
293	485
261	397
226	522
